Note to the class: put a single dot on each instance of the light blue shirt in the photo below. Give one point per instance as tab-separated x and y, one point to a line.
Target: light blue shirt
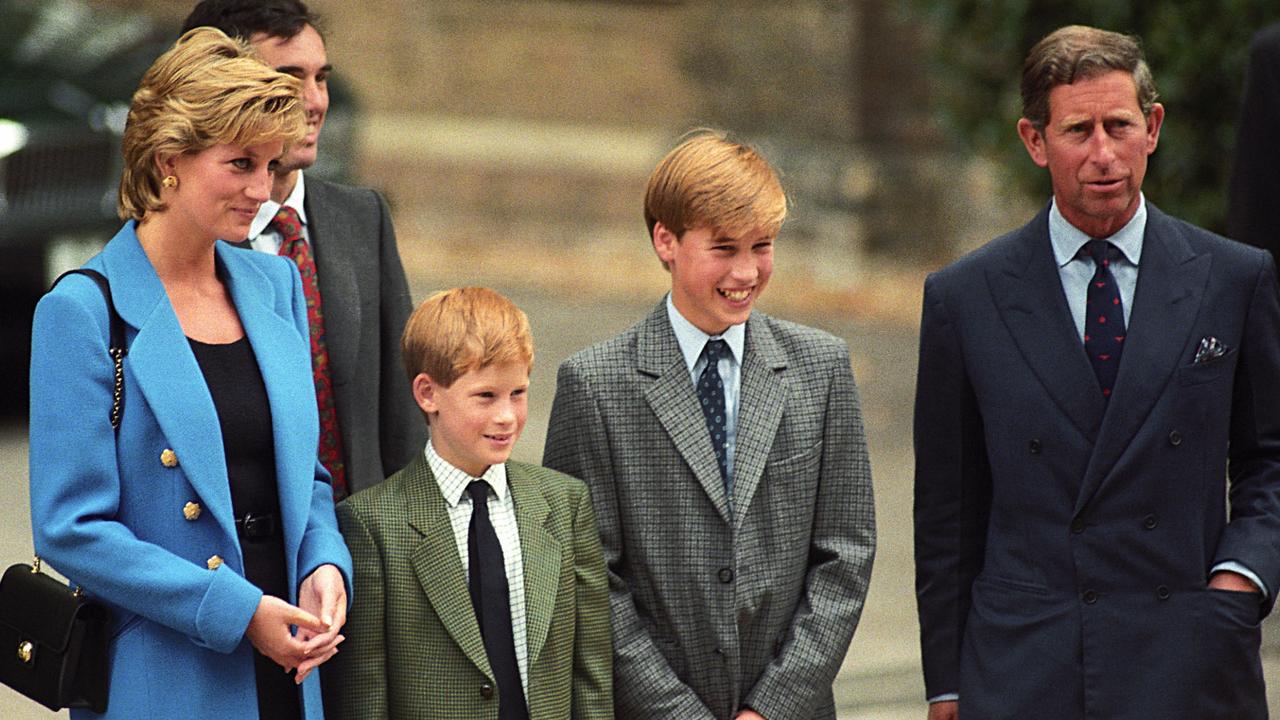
691	341
1076	271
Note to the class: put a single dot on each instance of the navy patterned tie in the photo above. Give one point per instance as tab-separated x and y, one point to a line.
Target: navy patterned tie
490	598
1104	316
711	398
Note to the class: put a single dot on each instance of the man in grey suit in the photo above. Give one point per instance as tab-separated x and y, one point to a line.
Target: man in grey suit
1088	384
725	454
345	246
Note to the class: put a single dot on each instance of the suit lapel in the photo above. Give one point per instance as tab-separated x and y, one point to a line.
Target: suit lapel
329	230
675	403
761	401
167	375
541	554
437	565
1027	289
284	360
1171	283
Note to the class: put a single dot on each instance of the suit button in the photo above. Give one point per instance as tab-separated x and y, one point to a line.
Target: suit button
1175	438
169	458
725	575
1162	592
191	511
1090	597
214	562
486	690
1034	447
1077	526
1149	522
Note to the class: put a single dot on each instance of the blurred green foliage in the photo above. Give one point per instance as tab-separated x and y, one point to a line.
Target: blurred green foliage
1197	50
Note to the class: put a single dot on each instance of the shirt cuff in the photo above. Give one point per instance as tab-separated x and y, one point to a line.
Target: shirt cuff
944	697
1235	567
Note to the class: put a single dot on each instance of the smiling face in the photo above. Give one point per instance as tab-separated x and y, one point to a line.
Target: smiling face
476	421
715	279
1095	146
220	188
302	56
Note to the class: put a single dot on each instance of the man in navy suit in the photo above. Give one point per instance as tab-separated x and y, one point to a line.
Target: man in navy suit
1097	433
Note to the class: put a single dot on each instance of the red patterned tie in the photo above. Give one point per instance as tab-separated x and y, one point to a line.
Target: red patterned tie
294	246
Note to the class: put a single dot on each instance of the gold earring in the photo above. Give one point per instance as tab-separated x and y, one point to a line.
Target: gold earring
170	181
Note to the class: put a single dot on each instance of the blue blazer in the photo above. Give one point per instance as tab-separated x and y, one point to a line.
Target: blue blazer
109	514
1064	545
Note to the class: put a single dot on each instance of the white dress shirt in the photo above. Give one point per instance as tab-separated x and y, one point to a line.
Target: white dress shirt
502	513
265	239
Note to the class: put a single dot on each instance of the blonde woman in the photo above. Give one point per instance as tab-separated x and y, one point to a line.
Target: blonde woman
204	522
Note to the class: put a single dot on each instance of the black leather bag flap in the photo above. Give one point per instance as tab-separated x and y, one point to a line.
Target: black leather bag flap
38	607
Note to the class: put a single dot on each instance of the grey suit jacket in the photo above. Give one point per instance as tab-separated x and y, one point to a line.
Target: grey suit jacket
714	612
366	304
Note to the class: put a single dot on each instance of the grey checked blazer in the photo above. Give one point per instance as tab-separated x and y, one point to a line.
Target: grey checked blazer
713	613
366	304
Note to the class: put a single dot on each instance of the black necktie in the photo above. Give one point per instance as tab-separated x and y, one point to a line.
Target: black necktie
490	600
711	398
1104	316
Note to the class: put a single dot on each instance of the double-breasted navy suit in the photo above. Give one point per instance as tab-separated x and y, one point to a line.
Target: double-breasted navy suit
142	518
1064	543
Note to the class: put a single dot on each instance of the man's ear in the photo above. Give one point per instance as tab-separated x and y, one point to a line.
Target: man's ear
424	393
1033	140
664	242
1155	119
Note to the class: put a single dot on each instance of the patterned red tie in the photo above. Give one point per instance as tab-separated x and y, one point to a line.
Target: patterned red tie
1104	315
294	246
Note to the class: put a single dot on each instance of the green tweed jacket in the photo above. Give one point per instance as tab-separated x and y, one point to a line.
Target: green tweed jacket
413	647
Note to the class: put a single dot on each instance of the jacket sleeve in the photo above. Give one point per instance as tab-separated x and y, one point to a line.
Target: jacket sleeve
842	548
1252	536
952	495
355	680
402	428
592	645
578	445
76	486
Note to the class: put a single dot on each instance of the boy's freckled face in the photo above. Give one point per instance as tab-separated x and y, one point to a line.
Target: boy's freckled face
476	421
715	279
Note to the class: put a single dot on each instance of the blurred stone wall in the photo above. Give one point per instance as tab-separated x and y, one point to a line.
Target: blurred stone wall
516	129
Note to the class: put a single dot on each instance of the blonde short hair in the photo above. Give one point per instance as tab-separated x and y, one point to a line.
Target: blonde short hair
710	181
206	90
456	331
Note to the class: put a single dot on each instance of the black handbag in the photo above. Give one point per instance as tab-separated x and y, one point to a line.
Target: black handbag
53	639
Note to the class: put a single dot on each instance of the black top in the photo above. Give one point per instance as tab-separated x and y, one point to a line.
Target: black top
244	416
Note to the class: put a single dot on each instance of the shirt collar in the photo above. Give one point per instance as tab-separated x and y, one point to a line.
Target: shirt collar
1067	239
692	340
453	482
267	210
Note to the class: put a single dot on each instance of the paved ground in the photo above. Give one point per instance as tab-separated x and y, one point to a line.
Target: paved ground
880	679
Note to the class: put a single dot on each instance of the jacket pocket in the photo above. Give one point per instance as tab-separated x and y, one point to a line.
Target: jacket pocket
1200	373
